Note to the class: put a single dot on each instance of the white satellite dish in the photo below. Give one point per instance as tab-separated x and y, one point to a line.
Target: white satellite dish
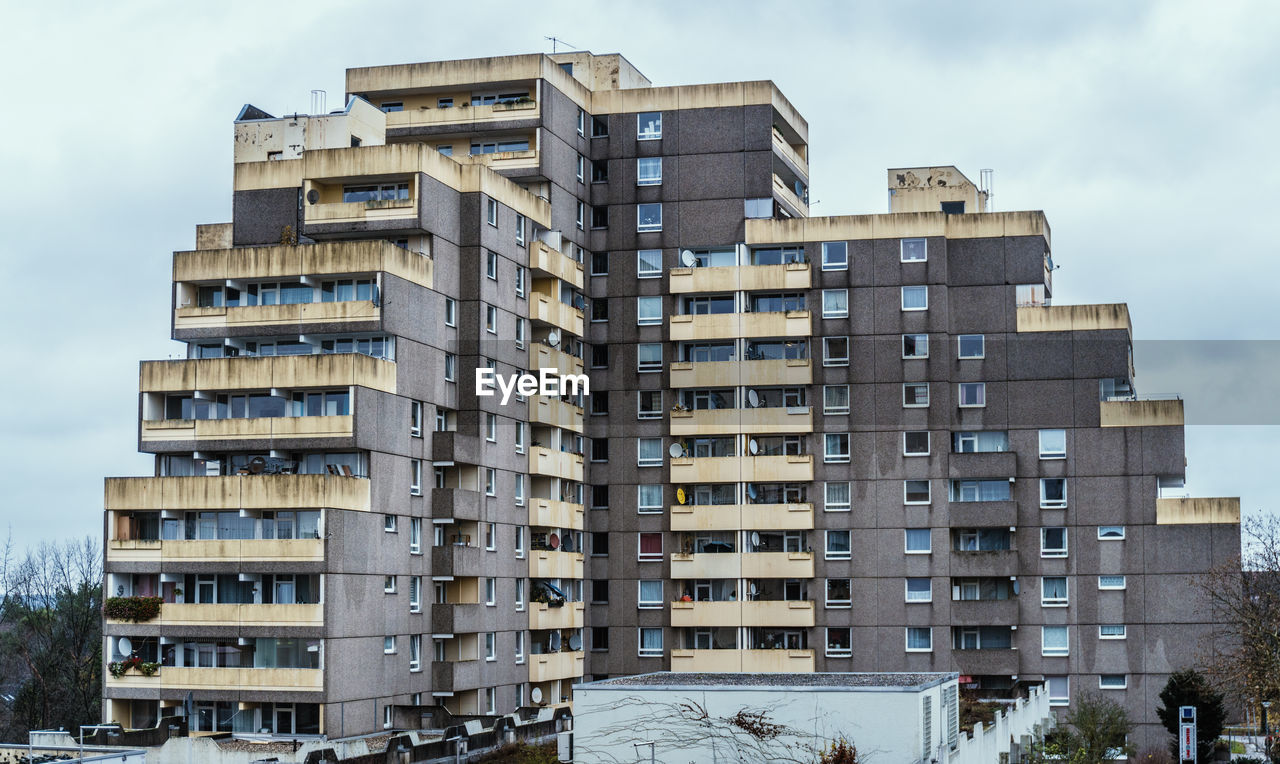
755	538
676	450
753	446
687	259
536	695
753	398
754	591
751	491
575	642
554	641
553	339
125	645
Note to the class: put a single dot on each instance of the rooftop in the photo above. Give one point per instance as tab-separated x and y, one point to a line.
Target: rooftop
665	680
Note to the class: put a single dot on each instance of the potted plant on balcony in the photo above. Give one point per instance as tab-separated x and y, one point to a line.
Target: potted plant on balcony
132	609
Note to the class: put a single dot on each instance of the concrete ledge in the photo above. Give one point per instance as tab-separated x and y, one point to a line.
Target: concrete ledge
1207	511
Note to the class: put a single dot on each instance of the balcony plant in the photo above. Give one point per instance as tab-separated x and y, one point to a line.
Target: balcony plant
132	609
120	668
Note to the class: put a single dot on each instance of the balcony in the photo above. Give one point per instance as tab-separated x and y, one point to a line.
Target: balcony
983	612
796	468
174	678
788	152
792	371
965	514
776	613
191	614
465	118
216	550
732	517
397	214
567	616
498	161
455	447
302	314
1198	511
547	667
555	412
286	372
746	565
561	464
263	428
546	357
544	563
981	465
1142	413
546	261
460	560
733	278
783	193
549	310
1074	318
546	513
1001	662
721	326
746	661
256	492
457	503
460	618
296	261
759	421
1000	562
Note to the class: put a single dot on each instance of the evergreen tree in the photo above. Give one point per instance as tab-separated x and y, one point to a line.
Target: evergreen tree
1190	688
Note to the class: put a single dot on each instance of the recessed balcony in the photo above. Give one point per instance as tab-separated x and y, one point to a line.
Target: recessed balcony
776	613
216	550
746	565
555	412
264	373
546	667
291	680
300	314
546	513
548	564
790	371
758	421
569	615
719	326
787	196
333	258
733	278
790	153
549	310
547	261
255	492
261	428
561	464
255	615
744	661
732	517
794	468
465	117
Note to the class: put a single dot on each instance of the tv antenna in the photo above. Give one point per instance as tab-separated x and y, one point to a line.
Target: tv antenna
557	41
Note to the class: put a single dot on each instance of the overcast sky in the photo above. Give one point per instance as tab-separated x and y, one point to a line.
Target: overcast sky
1146	131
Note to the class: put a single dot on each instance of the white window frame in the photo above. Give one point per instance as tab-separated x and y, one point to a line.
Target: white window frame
644	604
520	647
982	339
981	387
640	554
648	227
1124	631
907	639
829	264
582	168
491	319
415	535
519	542
415	477
1111	538
1047	601
918	355
827	554
491	427
836	312
837	458
1104	587
1124	682
831	604
1055	503
415	419
842	652
648	509
450	312
490	481
648	320
906	546
1059	700
641	411
649	135
1053	454
1051	553
389	584
643	161
1054	652
415	594
641	461
415	652
648	273
928	443
490	592
902	251
491	265
828	359
490	646
927	483
914	289
582	216
830	506
520	281
491	212
389	645
389	523
450	367
924	405
906	587
644	652
829	410
648	367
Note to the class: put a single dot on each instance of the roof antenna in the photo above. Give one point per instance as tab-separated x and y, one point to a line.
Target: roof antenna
556	40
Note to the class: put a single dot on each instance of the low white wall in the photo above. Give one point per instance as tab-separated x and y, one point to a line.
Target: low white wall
1021	719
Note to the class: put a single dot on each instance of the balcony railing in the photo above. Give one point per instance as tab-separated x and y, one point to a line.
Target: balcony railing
732	517
746	565
216	550
555	412
774	613
463	115
561	464
759	421
718	326
547	513
548	310
349	312
797	468
545	667
265	373
1142	413
568	615
788	151
255	492
545	260
548	564
792	371
733	278
162	430
745	661
291	680
546	357
195	614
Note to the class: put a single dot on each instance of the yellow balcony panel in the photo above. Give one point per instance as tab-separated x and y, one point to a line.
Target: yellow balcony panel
238	492
792	323
793	371
401	210
788	151
546	513
546	667
463	116
503	160
761	421
777	517
190	614
160	430
732	278
552	311
282	261
217	550
547	564
732	517
277	315
555	412
561	464
694	614
1152	413
738	469
234	679
1198	511
567	616
787	196
1074	318
777	565
721	565
546	357
242	373
750	661
897	226
795	613
546	260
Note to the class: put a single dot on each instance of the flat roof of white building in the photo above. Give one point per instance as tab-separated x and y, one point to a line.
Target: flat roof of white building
826	681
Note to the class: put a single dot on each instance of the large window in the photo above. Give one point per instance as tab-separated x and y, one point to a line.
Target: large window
651	643
375	193
914	250
1053	591
1053	542
980	490
649	171
1053	444
649	452
648	311
836	447
1054	640
835	256
918	541
835	303
649	499
649	356
1059	690
919	590
838	547
649	125
650	596
649	263
648	217
915	443
839	642
973	394
915	395
835	351
919	639
835	399
971	346
1053	493
980	442
915	346
915	298
650	547
836	496
1111	533
915	491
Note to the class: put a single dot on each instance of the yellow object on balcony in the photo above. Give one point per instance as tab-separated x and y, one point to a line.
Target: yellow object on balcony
759	421
792	323
733	278
159	430
792	371
742	469
732	517
747	661
545	667
567	616
264	373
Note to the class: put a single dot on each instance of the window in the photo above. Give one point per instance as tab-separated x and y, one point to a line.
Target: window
758	208
415	535
649	125
415	477
980	442
649	498
649	356
649	171
415	652
582	169
600	217
600	403
649	404
599	127
389	584
836	448
1111	533
648	217
835	399
839	592
519	529
389	523
490	646
599	449
915	395
999	489
650	595
1112	682
648	311
919	639
650	547
919	590
415	594
582	121
490	481
918	541
1112	631
915	298
915	443
491	212
450	312
651	643
491	319
915	492
1053	542
1053	591
599	356
491	536
835	351
838	547
839	642
914	251
649	452
389	645
519	230
835	303
491	265
520	332
600	264
600	544
971	346
1053	444
519	492
649	263
520	638
450	367
1111	582
600	171
581	218
490	591
600	592
836	497
1053	493
973	394
1053	640
1059	690
835	256
915	346
600	309
599	497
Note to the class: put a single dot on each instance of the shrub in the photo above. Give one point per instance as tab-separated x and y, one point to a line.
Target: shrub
840	752
1155	755
133	609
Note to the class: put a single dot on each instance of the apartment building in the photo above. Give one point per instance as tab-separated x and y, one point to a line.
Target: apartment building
864	443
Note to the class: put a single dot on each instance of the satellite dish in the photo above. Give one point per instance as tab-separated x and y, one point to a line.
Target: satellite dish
680	495
313	196
125	645
257	465
753	398
553	339
755	539
754	591
575	642
554	641
536	695
553	541
676	450
751	491
578	302
753	446
687	259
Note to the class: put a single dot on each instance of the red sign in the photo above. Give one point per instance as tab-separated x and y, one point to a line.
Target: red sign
1187	742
